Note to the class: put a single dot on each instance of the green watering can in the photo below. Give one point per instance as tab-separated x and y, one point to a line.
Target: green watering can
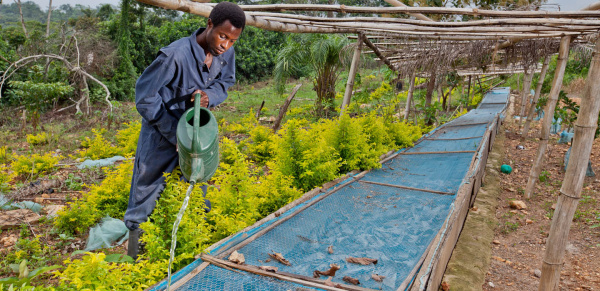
198	143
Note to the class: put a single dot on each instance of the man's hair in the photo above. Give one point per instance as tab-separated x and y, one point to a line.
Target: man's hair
228	11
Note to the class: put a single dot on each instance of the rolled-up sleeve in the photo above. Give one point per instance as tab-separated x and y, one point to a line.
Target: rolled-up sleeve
217	90
149	101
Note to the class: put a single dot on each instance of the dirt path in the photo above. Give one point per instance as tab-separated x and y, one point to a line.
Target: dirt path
520	236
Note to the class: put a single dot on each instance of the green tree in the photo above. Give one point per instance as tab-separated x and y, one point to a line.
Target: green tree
324	54
123	83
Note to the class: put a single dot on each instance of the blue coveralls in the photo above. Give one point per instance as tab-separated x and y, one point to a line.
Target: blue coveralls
162	94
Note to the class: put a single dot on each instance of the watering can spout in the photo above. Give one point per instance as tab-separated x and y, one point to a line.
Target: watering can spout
197	139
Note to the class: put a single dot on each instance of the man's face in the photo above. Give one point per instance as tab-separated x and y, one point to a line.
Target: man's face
221	38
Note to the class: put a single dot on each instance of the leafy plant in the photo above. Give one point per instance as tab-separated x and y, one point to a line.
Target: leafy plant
34	165
38	139
110	198
24	278
544	176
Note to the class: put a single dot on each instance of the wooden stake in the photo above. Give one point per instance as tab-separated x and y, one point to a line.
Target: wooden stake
563	56
409	97
538	90
284	108
352	73
570	192
259	110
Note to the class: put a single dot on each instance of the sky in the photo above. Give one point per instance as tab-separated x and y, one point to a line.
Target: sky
565	5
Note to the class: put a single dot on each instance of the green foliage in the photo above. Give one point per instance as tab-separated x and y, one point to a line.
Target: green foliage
5	178
98	147
39	96
25	276
127	138
34	165
38	139
93	272
351	143
262	145
5	155
36	254
110	198
322	53
193	234
255	53
544	176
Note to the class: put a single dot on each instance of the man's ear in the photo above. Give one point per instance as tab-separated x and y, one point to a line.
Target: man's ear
209	24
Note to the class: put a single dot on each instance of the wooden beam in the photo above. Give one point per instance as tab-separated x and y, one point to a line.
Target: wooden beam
563	56
284	108
570	192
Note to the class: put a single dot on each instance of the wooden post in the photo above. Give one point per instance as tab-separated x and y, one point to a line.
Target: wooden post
570	192
538	90
409	97
525	93
259	110
284	108
536	168
469	91
352	73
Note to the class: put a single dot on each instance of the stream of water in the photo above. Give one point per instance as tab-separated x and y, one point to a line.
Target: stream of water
175	227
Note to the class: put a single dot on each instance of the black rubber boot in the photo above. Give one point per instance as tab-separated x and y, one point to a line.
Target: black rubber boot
133	246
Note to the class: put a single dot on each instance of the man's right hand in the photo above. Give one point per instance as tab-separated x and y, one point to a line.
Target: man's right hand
203	100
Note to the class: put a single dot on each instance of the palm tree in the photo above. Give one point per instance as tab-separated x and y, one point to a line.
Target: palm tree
323	54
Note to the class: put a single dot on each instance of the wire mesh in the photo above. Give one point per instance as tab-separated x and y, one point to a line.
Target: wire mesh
389	224
215	278
393	225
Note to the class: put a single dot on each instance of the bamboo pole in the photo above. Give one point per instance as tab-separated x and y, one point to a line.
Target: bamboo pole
525	93
428	10
538	90
570	192
563	55
352	73
409	97
419	16
378	53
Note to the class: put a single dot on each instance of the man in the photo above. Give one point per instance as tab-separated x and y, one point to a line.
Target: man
202	63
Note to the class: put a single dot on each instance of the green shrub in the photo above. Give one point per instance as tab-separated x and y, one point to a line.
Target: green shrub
97	147
93	272
38	139
262	145
110	198
34	165
127	138
193	234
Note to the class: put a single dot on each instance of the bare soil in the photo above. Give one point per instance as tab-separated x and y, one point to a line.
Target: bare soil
520	237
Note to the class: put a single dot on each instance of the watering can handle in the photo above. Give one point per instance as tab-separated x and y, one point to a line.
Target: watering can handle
196	134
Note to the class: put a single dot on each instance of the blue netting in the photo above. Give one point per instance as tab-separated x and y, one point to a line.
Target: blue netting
437	172
214	278
383	222
392	225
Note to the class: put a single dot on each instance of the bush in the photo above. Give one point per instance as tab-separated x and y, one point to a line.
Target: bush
262	145
110	198
193	234
93	272
38	139
97	147
34	165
